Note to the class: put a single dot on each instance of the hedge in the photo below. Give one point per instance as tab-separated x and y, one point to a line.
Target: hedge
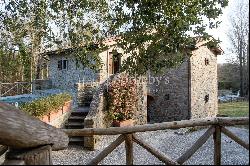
44	106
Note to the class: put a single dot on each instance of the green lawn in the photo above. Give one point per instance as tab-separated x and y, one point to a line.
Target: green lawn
234	109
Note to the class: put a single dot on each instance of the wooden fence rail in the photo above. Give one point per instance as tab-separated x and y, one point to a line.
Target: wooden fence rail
16	88
31	141
158	126
128	134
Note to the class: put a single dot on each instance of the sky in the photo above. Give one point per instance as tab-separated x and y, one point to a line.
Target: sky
222	31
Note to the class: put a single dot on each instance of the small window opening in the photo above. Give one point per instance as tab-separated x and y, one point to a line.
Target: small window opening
167	97
62	65
206	61
206	98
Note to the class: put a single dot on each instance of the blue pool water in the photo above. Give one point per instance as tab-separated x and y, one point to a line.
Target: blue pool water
26	98
19	99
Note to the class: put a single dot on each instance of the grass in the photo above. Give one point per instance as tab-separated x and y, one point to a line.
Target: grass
234	109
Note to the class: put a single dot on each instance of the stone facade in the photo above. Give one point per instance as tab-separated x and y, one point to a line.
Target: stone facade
74	76
85	93
203	82
67	78
169	95
188	91
42	84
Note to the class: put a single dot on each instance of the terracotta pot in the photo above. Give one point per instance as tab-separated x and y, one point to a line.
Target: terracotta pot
57	113
67	106
45	118
54	115
123	123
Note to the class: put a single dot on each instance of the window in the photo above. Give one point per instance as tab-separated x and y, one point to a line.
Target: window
62	65
206	61
167	97
206	98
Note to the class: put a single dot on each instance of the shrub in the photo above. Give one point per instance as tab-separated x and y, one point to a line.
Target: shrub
44	106
122	98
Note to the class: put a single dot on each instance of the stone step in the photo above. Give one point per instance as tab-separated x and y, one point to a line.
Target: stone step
74	125
79	113
76	141
76	118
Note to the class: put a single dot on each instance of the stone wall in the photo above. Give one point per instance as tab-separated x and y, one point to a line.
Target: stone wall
98	115
67	78
140	116
168	95
42	84
85	93
203	82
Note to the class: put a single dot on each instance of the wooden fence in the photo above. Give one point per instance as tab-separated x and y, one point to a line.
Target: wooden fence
128	134
35	144
16	88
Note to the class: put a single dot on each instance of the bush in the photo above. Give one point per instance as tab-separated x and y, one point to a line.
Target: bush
44	106
122	98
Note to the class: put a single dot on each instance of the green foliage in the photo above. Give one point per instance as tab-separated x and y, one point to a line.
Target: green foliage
228	76
155	32
14	65
45	24
44	106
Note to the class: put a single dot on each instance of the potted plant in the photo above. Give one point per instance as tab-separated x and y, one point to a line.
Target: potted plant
122	101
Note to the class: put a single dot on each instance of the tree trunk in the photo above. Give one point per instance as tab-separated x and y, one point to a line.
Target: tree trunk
241	69
247	68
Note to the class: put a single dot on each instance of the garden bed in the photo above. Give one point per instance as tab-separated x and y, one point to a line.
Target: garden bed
58	117
54	109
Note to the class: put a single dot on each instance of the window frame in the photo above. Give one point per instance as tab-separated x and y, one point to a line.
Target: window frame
63	64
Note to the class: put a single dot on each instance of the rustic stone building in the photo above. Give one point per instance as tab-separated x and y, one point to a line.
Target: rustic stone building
66	74
188	91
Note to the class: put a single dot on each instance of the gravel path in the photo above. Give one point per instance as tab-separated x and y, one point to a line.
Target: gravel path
171	142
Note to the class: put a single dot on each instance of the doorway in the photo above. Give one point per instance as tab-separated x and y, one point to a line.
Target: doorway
114	63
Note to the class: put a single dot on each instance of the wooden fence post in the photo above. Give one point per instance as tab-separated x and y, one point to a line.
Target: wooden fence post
217	145
129	149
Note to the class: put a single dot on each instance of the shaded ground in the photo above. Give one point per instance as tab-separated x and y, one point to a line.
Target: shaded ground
171	142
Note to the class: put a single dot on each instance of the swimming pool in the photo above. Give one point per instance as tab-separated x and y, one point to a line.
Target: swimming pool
19	99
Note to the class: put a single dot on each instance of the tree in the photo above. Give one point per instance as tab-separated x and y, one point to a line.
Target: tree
238	36
156	33
228	76
43	25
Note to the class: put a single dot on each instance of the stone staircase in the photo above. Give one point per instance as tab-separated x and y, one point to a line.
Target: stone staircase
76	121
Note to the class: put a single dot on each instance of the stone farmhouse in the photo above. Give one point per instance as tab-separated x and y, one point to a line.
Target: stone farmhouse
188	91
